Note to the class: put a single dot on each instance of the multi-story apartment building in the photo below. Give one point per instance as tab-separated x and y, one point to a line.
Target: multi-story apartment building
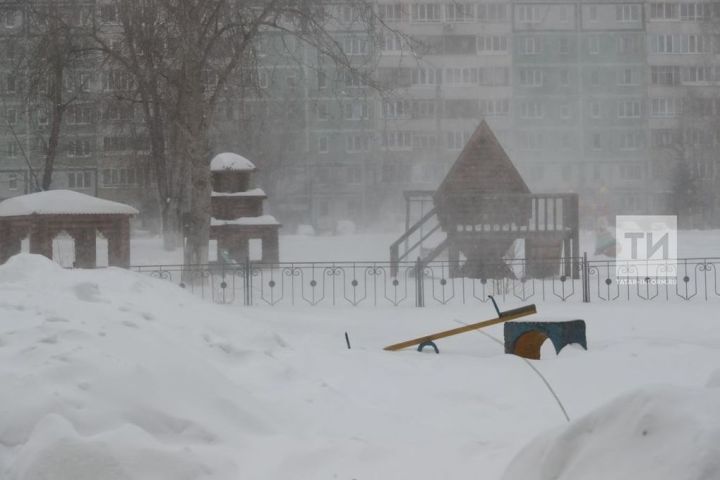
587	96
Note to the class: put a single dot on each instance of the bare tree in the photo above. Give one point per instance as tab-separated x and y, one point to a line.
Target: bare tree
183	56
57	67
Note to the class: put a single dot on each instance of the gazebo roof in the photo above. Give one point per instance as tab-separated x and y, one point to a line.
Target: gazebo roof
62	202
231	161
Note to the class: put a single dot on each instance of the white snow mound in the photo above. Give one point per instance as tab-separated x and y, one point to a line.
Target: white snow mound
107	374
61	202
656	433
230	161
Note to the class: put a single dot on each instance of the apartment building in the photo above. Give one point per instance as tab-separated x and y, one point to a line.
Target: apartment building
587	96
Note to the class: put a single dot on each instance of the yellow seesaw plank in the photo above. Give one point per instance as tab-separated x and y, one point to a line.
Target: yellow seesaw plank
504	317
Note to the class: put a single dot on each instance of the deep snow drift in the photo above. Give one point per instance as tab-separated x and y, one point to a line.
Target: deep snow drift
653	433
111	375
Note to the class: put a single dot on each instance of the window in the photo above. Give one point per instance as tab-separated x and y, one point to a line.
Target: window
323	144
596	141
426	76
12	149
11	18
595	78
120	177
664	11
595	109
79	114
491	44
465	76
680	43
423	108
629	109
592	13
663	107
423	140
78	148
633	140
12	181
11	116
460	12
426	12
696	74
565	111
564	46
492	12
528	13
628	44
494	76
530	140
531	77
391	13
456	140
357	143
263	80
495	107
695	11
108	13
79	179
531	45
665	75
355	45
628	76
391	42
627	13
322	111
531	110
354	175
396	109
321	79
396	140
564	77
564	13
10	83
593	45
355	111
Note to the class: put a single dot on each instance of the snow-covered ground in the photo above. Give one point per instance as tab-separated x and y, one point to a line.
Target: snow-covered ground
116	376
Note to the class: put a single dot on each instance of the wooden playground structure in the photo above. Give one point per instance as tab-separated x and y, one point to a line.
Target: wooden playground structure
482	207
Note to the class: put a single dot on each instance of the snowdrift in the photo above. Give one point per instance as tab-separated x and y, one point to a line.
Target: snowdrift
656	433
107	375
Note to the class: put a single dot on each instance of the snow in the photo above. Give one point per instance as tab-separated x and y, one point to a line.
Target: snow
230	161
62	202
658	433
255	192
115	375
261	220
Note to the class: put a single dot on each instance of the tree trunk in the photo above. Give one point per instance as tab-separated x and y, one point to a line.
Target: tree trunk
58	110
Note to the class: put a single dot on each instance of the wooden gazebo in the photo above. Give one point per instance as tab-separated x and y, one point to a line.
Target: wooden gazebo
42	216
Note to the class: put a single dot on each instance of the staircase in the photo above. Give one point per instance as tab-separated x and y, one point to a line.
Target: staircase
410	245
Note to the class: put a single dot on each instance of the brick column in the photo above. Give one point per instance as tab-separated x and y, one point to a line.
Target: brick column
270	246
119	243
10	241
85	251
41	239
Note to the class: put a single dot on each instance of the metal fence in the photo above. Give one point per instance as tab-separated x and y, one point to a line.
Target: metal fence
419	284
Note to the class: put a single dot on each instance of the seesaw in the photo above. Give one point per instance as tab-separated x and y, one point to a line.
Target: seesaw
429	340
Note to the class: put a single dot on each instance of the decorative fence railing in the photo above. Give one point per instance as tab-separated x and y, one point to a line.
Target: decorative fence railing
418	284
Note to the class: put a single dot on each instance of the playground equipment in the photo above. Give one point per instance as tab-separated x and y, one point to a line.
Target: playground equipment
524	339
480	209
429	340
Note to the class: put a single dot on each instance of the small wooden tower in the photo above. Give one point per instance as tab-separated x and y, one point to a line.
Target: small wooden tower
237	211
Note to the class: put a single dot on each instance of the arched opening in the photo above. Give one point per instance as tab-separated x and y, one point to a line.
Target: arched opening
63	249
529	343
101	250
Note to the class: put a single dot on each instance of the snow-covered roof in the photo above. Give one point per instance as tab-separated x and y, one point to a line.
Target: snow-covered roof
231	161
62	202
261	220
255	192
